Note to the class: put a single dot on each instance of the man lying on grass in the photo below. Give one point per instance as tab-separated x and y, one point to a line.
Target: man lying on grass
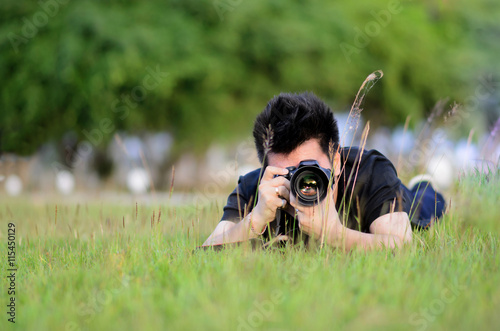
367	205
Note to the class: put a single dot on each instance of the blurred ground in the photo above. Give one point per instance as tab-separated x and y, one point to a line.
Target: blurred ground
136	166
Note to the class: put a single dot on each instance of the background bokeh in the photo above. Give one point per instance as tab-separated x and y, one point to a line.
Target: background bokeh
99	89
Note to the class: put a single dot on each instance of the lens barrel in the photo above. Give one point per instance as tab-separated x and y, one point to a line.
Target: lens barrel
309	183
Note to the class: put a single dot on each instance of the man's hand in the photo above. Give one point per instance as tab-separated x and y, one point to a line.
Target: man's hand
322	222
272	192
320	219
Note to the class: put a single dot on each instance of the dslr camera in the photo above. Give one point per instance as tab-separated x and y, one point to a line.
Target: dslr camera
308	182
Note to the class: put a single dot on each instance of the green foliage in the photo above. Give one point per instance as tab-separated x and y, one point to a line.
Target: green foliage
225	60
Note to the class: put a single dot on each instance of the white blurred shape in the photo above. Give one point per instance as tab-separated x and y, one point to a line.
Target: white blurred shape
133	146
2	177
466	155
441	169
159	144
349	133
245	169
138	180
13	185
403	140
65	182
381	141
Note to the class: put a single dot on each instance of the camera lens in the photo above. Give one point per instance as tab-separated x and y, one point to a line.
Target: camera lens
308	185
309	182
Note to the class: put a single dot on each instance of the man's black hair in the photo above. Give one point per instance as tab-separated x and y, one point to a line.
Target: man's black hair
294	119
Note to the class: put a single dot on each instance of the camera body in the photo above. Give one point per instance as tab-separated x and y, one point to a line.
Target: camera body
308	182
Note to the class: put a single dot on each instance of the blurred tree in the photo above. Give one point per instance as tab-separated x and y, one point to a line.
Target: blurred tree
203	69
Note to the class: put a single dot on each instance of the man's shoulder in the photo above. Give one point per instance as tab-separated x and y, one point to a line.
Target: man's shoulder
367	166
248	182
372	179
353	154
252	176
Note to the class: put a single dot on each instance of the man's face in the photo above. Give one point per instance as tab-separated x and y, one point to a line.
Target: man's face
309	150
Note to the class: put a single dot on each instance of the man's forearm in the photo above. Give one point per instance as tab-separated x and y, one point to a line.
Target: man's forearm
229	232
349	239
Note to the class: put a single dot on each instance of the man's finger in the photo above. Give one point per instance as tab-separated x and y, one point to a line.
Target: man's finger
280	181
271	171
292	201
283	192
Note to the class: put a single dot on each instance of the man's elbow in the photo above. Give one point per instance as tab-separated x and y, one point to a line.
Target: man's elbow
217	237
408	232
406	237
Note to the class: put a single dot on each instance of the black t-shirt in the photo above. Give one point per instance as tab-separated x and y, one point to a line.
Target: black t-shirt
368	187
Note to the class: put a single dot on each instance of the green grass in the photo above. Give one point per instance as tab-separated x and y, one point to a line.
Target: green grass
88	271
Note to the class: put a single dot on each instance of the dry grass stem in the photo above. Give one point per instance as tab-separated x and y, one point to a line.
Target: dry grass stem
353	118
172	182
268	140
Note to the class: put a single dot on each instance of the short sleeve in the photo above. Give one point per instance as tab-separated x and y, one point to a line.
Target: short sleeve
240	201
384	192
